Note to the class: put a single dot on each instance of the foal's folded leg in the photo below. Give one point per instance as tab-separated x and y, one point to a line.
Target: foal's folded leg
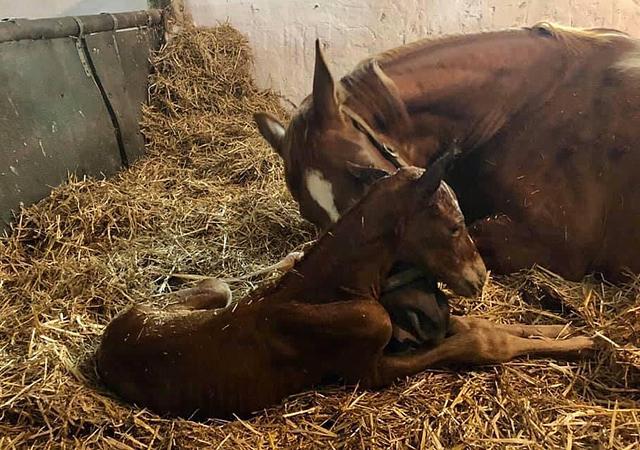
286	264
210	293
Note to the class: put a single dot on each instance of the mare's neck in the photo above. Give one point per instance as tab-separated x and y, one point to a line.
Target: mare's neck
462	91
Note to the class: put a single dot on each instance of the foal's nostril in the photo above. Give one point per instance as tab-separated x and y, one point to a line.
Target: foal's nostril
434	326
426	330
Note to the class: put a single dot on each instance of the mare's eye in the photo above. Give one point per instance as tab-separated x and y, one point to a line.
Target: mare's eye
455	230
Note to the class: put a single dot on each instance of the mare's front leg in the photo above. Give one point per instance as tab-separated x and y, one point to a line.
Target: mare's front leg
477	342
507	246
210	293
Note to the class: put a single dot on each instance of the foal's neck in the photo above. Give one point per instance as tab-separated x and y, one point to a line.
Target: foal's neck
351	258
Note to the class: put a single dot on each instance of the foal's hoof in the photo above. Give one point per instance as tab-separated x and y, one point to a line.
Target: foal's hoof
289	261
583	348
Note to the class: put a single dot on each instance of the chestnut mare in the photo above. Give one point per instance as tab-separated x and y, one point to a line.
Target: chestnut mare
321	320
547	120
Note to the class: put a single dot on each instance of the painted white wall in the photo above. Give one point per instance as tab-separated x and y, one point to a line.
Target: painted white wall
37	9
282	32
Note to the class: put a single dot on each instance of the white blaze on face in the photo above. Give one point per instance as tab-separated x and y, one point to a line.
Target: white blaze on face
322	192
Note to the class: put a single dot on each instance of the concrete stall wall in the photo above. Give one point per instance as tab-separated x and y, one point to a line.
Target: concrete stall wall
282	32
69	105
37	9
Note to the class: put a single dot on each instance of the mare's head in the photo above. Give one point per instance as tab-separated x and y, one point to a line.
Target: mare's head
332	157
325	143
421	214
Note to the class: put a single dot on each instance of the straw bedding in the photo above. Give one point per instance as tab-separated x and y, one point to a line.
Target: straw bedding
210	199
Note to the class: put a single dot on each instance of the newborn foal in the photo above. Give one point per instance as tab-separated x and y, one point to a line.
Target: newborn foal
322	319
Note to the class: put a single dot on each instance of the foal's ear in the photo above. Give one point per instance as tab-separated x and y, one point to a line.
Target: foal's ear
324	90
430	180
367	175
271	129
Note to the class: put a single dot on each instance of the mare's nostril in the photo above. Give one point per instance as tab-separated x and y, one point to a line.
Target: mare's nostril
471	288
413	319
426	330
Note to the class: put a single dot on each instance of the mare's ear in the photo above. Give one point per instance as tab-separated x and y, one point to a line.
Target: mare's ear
271	129
325	103
430	180
367	175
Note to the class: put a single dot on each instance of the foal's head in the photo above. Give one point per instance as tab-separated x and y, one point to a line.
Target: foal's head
429	227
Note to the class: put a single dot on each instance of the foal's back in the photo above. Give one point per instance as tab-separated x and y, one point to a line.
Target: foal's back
195	361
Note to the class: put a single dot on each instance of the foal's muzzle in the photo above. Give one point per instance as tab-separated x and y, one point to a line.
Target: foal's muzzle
470	281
